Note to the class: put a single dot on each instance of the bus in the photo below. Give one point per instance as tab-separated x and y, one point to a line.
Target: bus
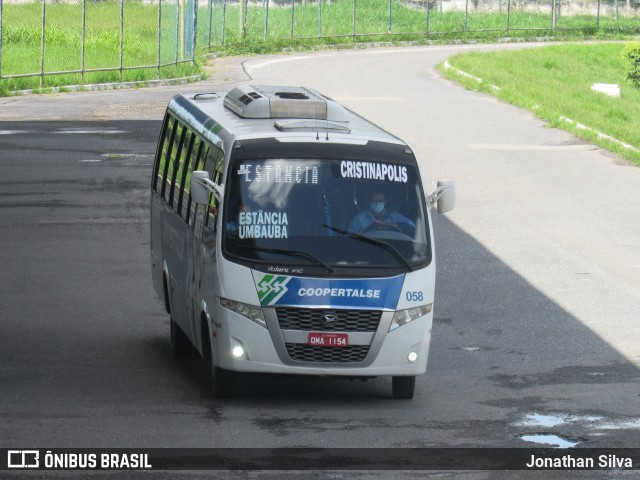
291	236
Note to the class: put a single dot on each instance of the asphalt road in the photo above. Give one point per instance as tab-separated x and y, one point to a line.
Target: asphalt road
536	335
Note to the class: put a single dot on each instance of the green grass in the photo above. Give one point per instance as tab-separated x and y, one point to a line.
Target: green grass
556	81
21	44
372	24
21	34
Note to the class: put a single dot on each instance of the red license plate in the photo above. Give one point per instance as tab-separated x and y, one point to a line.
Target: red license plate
328	339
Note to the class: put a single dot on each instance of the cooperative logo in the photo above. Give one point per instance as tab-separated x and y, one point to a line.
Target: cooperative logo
367	293
23	459
271	288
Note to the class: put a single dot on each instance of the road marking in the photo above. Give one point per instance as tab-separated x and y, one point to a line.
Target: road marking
96	131
68	130
368	99
13	132
127	155
95	221
515	147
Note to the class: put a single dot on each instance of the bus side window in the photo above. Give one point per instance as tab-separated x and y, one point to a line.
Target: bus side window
159	162
198	165
165	153
173	163
190	162
183	162
214	164
219	167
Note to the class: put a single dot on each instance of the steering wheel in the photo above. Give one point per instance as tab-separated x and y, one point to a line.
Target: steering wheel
383	226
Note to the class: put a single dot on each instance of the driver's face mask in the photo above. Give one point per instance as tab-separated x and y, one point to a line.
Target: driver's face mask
377	207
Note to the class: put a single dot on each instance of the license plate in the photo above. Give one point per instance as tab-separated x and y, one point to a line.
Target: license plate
328	339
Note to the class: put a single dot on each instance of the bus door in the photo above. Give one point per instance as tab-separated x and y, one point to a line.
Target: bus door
203	255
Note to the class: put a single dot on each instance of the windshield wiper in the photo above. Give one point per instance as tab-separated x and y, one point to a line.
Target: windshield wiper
296	253
374	241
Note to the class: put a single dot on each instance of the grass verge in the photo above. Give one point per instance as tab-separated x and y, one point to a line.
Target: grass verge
555	83
148	35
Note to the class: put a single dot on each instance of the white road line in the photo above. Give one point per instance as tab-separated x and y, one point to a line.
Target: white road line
96	131
516	147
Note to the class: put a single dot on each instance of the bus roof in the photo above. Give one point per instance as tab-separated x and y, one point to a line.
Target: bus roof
289	114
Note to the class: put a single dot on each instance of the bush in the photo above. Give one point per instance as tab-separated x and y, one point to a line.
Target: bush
631	57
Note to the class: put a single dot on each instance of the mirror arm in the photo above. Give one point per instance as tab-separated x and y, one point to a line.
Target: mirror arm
437	193
217	190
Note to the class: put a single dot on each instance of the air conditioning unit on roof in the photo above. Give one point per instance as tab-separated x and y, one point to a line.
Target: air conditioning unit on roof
251	101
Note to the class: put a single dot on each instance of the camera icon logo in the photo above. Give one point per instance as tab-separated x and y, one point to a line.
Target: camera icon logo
23	459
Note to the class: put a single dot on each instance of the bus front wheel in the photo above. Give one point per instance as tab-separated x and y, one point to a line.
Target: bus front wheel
403	387
180	343
219	381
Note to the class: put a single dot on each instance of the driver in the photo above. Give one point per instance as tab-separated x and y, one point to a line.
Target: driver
378	216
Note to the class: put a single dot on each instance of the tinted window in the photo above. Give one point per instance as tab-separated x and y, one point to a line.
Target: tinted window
325	209
163	153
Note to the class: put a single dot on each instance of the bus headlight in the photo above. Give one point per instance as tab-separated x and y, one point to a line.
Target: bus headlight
402	317
249	311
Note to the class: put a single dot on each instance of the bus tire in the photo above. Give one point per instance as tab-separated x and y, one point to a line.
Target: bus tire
403	387
218	380
180	343
167	304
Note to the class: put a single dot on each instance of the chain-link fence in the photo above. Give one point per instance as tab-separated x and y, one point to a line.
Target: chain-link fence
330	19
116	40
95	40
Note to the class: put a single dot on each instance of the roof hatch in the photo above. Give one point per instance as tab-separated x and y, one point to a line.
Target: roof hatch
249	101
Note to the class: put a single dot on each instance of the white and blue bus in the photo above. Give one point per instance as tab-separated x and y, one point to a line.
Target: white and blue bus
292	236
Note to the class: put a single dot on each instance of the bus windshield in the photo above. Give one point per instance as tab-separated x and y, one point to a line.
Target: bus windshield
315	216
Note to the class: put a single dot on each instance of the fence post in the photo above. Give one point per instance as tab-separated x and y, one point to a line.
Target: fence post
177	45
121	36
508	16
224	20
210	22
266	19
427	19
293	14
195	32
390	14
159	35
0	38
319	18
42	36
84	25
598	17
466	14
353	20
553	14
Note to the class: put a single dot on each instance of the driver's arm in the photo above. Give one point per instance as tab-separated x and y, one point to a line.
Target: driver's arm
399	218
359	223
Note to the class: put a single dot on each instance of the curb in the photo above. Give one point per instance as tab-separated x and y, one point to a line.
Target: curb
448	66
599	134
575	124
111	86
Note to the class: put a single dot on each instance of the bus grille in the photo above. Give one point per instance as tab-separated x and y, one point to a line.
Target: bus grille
306	353
326	320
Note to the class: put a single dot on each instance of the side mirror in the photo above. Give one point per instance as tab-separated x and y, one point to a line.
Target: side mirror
444	196
201	187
